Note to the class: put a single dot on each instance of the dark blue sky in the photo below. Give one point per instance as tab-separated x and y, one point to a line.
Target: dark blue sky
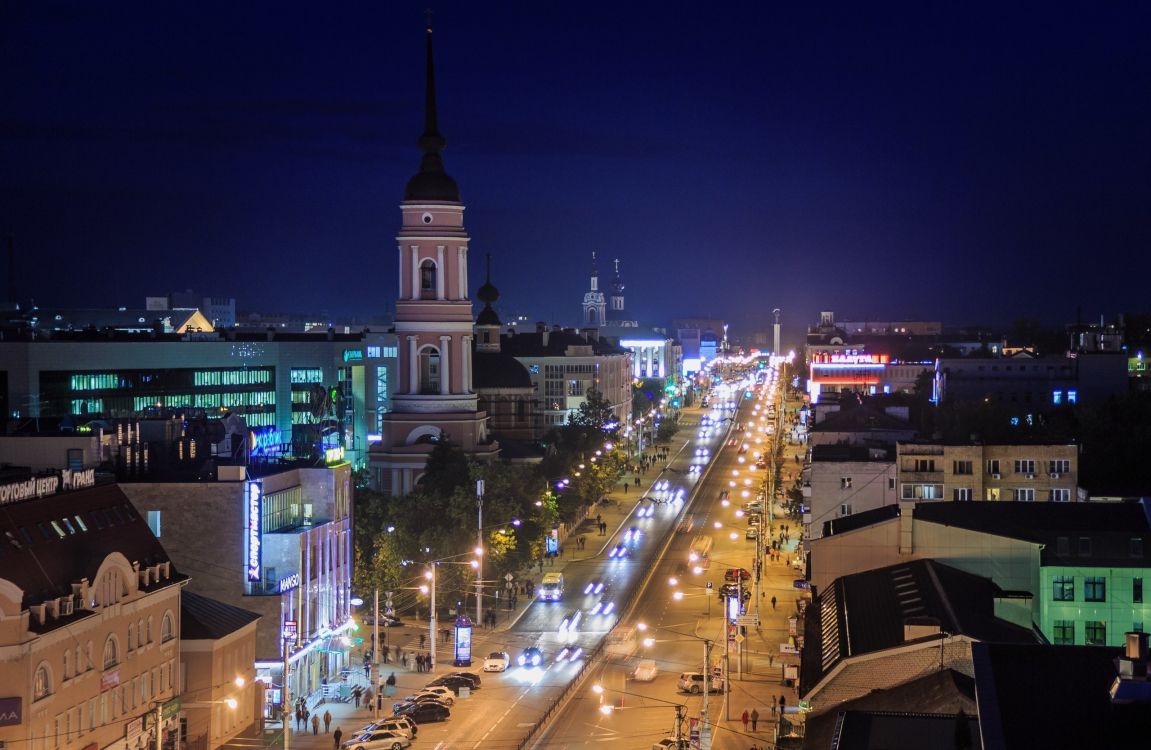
970	162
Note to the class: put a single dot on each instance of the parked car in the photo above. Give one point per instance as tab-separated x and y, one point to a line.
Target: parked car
752	532
378	740
403	706
422	713
693	682
671	743
736	574
452	682
497	661
442	694
470	676
398	724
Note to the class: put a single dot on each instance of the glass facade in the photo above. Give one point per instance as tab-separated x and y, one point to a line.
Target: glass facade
146	392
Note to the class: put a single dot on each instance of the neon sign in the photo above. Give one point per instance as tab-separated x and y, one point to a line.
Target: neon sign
255	492
827	358
265	440
290	582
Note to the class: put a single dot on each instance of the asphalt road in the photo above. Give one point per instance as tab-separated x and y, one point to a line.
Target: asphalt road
644	713
499	714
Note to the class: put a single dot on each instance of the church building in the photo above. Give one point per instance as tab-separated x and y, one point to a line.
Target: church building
434	399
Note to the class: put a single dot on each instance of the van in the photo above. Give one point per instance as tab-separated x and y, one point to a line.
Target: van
551	588
693	682
645	671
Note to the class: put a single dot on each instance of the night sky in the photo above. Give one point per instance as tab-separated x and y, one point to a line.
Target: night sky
964	162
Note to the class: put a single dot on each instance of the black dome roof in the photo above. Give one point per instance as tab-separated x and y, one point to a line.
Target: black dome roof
488	317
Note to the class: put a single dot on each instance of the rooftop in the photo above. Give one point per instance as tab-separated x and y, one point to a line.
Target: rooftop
202	618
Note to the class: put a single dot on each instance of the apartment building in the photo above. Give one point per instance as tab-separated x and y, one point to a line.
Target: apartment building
89	620
1084	564
1024	473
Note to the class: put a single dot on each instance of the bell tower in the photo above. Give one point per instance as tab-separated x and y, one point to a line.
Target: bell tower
434	399
594	305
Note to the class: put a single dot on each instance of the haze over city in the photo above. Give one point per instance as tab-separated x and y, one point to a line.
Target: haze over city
970	164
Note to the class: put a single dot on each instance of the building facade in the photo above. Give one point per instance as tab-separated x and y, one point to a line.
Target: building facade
993	473
282	549
281	384
89	620
1083	563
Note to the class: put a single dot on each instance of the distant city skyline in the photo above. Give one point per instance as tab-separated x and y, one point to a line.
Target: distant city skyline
973	166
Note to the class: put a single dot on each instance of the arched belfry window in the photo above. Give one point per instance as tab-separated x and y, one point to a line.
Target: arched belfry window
592	316
429	370
428	279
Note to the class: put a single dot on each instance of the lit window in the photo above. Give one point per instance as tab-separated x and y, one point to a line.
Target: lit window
1063	588
374	352
41	683
1072	396
1056	397
111	652
1095	633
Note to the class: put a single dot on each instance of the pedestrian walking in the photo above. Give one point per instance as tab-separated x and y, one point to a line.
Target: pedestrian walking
773	600
744	717
307	715
367	673
399	654
336	737
356	695
386	651
754	718
327	721
423	638
315	725
391	681
368	698
299	717
598	518
625	489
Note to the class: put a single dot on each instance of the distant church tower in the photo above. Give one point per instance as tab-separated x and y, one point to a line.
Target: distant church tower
616	315
434	398
594	305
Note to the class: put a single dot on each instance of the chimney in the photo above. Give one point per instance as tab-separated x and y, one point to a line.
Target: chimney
1131	685
906	523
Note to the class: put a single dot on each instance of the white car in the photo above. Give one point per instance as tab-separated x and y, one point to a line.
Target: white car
497	661
442	694
398	724
381	739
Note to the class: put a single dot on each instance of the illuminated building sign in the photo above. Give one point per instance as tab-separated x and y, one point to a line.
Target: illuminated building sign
353	355
255	492
11	712
289	583
29	489
265	440
826	358
334	455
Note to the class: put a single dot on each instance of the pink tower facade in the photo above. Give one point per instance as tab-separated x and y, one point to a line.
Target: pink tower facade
434	399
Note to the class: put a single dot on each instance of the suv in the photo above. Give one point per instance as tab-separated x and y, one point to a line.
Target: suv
399	725
693	682
379	740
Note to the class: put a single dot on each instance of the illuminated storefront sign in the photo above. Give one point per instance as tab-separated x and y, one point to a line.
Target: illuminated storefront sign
828	358
265	440
11	711
290	582
334	455
255	492
28	489
353	355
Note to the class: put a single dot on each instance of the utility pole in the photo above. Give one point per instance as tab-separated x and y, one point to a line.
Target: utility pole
705	720
480	553
285	701
432	619
375	647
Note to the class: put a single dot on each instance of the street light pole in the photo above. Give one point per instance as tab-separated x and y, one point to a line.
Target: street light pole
432	614
375	644
480	552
